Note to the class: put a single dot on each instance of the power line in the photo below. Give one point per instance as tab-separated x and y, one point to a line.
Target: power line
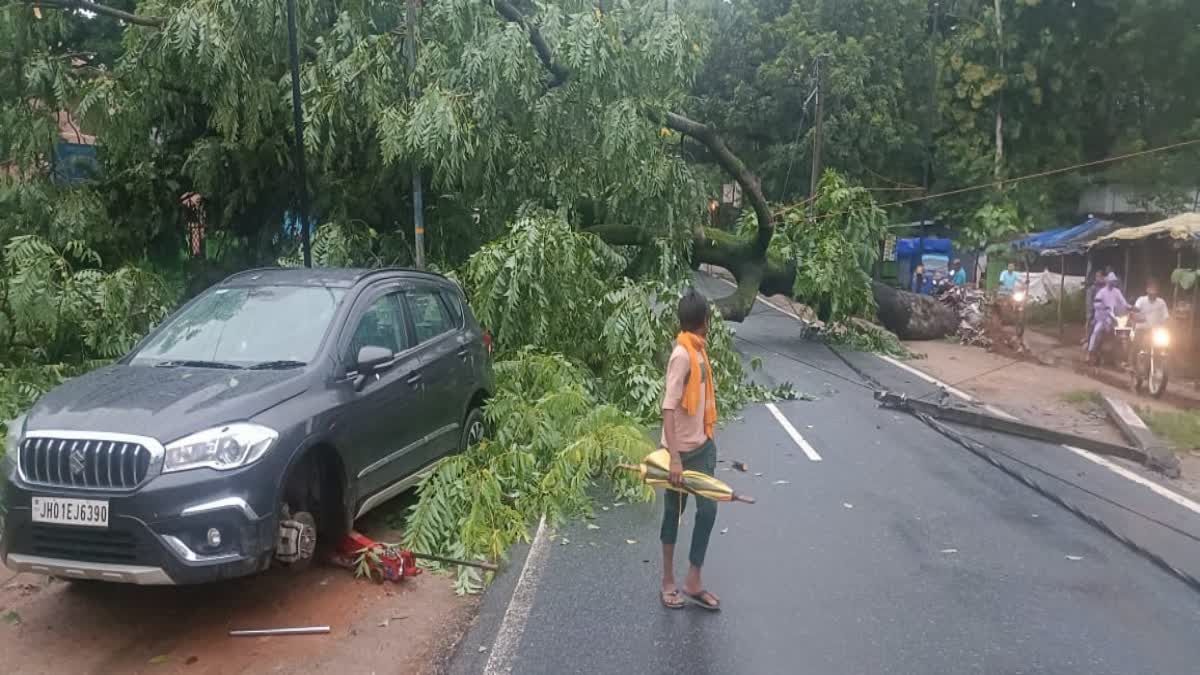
1019	179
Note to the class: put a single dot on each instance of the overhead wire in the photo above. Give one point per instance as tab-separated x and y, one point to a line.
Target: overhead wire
1018	179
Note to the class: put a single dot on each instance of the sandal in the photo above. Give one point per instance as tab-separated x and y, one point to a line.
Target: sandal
703	599
671	600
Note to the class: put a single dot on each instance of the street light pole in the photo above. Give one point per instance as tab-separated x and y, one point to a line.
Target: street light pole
298	122
418	195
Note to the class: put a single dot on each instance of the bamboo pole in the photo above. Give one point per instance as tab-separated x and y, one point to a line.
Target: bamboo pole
1062	291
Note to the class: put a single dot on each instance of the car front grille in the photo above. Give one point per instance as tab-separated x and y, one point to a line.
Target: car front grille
86	464
102	546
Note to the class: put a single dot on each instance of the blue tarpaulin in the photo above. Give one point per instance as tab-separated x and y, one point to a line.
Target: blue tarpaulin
1065	240
910	245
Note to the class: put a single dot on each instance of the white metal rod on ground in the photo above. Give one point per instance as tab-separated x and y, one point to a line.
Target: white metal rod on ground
261	632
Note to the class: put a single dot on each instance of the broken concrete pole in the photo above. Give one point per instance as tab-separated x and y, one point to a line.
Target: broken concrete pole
1158	456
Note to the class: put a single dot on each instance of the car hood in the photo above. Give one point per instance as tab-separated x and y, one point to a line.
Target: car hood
163	403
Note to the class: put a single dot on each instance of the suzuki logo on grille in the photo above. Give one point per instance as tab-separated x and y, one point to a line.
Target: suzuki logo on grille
78	459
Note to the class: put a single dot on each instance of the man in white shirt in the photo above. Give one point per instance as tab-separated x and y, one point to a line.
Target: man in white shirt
1151	309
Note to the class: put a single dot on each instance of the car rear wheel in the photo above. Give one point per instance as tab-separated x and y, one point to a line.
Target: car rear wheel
474	429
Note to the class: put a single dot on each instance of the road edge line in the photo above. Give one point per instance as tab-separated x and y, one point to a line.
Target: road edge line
799	440
1161	491
512	626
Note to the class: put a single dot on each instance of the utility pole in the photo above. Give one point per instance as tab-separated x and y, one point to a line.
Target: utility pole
298	122
819	97
932	113
418	196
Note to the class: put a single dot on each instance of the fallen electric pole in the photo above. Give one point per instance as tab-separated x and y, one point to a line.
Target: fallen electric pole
1162	462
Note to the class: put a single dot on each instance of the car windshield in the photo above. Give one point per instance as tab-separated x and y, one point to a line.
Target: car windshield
245	327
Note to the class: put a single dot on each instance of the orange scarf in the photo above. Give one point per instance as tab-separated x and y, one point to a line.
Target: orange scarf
694	344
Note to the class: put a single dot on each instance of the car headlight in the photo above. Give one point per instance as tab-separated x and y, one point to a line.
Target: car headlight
1161	337
12	438
221	448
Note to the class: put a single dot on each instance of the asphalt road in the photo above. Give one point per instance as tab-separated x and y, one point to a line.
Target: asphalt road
897	552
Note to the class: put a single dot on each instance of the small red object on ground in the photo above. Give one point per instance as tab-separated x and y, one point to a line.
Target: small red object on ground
391	564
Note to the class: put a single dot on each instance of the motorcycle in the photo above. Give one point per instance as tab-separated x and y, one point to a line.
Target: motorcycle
1017	301
1149	364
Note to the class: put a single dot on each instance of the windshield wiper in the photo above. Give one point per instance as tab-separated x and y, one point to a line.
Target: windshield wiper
283	364
192	363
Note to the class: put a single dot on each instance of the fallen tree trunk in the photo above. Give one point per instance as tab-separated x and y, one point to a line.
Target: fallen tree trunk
908	315
912	316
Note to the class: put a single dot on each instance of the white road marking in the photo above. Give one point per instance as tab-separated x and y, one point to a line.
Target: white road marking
957	392
928	378
512	627
791	431
1140	480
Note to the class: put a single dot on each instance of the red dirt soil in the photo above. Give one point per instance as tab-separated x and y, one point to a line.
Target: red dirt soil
49	626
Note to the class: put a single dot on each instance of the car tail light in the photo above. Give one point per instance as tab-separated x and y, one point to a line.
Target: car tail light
487	340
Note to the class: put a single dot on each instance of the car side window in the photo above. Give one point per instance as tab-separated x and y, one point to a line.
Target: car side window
454	302
380	326
429	314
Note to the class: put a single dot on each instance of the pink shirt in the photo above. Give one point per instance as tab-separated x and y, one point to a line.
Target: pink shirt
689	429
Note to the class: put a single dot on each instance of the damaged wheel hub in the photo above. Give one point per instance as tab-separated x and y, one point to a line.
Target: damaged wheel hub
297	538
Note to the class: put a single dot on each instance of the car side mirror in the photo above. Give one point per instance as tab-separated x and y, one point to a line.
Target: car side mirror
371	359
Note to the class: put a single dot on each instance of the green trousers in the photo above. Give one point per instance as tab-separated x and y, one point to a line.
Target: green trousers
704	460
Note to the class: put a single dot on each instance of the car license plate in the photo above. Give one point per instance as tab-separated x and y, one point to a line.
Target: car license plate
82	512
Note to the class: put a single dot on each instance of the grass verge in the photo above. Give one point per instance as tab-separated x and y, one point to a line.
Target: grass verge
1180	428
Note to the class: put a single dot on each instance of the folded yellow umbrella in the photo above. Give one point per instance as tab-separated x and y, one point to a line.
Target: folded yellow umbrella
655	469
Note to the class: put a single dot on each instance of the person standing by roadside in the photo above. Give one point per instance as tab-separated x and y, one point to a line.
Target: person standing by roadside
1009	279
689	416
918	279
960	274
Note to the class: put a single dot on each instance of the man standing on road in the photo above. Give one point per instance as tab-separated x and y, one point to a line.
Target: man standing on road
689	412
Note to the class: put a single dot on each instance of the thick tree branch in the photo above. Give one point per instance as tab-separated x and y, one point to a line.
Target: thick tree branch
745	259
735	167
104	10
558	73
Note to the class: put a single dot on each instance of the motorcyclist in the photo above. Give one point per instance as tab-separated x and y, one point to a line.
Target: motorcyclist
1108	304
1149	312
1151	309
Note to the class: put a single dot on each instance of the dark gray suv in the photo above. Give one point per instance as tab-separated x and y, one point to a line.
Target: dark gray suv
255	423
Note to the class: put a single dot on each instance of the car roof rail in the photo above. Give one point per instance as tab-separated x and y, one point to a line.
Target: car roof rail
359	274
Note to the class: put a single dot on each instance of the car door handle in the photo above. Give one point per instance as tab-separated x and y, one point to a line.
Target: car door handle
463	353
413	379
